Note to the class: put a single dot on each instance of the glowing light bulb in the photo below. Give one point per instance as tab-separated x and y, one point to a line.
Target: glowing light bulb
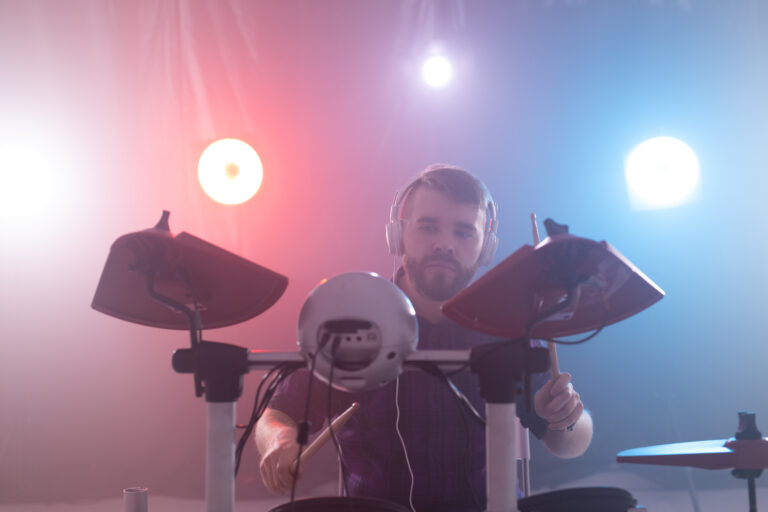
661	172
437	71
230	171
26	181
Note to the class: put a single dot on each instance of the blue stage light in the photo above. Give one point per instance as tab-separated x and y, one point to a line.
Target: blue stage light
661	172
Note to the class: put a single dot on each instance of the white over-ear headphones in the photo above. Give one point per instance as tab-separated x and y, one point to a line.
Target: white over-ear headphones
394	226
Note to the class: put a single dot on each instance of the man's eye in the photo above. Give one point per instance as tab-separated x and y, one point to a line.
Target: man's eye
464	234
427	228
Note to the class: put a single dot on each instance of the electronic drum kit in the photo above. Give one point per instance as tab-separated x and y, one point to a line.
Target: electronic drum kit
561	286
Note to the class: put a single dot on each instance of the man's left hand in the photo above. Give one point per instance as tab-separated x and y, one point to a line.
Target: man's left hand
558	403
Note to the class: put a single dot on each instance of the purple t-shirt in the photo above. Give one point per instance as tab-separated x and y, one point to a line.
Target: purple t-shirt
446	448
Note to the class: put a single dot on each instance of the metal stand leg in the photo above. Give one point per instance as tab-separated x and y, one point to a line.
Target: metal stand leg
524	454
748	430
220	458
501	366
220	367
525	476
501	460
752	495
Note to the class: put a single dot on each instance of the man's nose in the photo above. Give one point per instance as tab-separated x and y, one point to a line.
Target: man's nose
443	243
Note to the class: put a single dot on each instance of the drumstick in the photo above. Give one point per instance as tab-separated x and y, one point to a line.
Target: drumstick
554	367
320	440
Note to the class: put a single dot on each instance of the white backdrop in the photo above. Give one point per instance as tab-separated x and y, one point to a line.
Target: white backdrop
110	103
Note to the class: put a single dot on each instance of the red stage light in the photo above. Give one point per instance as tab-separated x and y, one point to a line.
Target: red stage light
230	171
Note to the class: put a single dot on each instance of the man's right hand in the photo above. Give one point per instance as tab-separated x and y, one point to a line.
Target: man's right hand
277	460
276	441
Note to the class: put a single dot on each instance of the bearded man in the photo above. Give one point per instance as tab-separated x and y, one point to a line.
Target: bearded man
409	442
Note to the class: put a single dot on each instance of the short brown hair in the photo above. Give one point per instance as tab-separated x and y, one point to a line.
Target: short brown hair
453	181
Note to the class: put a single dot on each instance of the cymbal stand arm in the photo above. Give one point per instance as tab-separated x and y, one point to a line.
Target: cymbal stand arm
193	315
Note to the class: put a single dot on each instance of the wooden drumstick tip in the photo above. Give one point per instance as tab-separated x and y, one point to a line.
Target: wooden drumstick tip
554	366
535	229
325	435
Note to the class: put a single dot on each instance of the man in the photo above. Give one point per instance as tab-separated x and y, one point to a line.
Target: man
410	442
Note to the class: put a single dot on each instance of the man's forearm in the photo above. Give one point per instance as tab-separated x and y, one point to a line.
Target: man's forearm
272	425
570	444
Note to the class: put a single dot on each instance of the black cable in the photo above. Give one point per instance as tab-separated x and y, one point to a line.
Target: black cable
251	423
457	371
467	477
465	407
467	443
433	370
303	429
536	320
302	432
263	404
586	338
552	311
556	308
577	342
260	405
336	445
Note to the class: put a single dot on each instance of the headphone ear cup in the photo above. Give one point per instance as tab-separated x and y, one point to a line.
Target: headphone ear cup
394	238
490	244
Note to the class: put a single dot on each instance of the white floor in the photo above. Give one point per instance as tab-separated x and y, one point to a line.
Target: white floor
648	495
728	500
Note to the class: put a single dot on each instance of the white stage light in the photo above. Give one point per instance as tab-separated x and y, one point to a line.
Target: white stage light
26	182
661	172
230	171
437	71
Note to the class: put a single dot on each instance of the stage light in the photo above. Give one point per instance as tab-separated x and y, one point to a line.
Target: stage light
437	71
26	182
661	172
230	171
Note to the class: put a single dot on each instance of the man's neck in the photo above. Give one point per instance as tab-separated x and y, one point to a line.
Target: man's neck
424	306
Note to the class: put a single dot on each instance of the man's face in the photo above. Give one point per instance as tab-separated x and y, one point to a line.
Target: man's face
442	240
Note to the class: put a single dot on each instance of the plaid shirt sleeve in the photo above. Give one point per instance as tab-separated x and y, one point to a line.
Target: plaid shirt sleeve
293	393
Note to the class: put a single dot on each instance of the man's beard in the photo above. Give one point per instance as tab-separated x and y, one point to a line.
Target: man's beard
441	286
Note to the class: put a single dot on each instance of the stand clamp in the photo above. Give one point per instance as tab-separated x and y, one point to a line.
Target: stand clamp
219	366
